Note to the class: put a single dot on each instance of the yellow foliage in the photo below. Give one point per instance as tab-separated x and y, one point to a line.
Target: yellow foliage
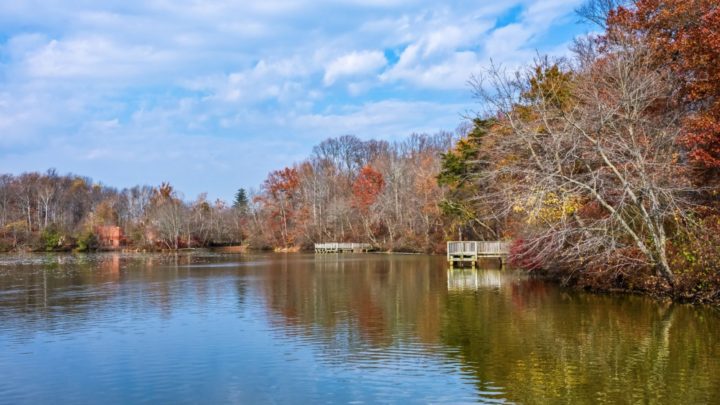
547	207
16	225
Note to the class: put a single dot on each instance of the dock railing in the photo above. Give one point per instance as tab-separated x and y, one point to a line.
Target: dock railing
470	251
494	248
342	247
461	248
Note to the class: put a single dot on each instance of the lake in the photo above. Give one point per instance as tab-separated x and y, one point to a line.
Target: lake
354	328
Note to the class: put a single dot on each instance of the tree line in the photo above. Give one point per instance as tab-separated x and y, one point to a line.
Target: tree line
347	190
361	191
50	212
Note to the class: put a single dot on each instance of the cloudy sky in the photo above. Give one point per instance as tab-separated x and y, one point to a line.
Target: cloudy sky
212	94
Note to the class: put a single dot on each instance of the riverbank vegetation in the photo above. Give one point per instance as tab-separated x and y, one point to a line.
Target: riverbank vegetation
51	212
601	168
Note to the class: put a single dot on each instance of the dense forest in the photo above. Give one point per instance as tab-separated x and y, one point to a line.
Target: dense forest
601	168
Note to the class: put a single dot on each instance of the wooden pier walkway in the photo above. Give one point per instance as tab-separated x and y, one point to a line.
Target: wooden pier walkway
472	251
342	247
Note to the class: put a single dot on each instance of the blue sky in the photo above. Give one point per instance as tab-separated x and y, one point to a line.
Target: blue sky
210	95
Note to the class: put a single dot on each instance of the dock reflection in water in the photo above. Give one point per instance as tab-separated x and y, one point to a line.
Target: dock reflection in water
473	279
306	329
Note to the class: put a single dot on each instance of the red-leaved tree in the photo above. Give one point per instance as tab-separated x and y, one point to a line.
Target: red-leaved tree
367	188
684	36
365	191
281	188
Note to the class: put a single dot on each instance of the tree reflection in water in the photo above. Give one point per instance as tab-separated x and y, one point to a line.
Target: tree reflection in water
514	337
535	341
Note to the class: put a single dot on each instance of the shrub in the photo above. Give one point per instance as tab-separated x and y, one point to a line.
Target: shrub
87	241
522	257
50	239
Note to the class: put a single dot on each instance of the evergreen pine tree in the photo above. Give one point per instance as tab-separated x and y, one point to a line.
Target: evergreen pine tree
241	200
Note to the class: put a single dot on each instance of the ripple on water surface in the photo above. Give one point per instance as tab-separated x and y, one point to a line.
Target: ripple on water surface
124	328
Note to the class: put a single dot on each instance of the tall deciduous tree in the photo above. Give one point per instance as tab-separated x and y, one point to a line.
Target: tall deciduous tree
365	190
281	187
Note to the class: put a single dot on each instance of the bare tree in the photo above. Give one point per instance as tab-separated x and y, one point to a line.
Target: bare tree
169	218
596	165
6	184
596	11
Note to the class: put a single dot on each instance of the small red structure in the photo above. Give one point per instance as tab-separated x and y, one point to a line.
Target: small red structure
109	236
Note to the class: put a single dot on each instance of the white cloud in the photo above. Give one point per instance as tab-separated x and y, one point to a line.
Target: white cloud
387	118
354	64
122	88
94	57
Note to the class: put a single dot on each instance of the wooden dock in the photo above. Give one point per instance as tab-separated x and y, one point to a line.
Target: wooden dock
471	251
342	247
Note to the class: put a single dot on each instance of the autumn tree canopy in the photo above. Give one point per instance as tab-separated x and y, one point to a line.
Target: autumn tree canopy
684	36
366	188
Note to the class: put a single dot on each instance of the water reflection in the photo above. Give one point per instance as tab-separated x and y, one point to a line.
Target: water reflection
336	328
473	279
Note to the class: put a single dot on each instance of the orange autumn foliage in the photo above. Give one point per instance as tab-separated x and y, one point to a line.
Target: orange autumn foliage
366	188
685	36
283	182
281	187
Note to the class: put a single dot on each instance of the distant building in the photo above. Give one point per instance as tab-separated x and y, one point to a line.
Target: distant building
109	236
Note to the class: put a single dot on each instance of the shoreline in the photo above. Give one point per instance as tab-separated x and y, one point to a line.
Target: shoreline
573	283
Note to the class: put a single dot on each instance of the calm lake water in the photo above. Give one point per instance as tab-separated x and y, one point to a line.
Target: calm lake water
211	328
